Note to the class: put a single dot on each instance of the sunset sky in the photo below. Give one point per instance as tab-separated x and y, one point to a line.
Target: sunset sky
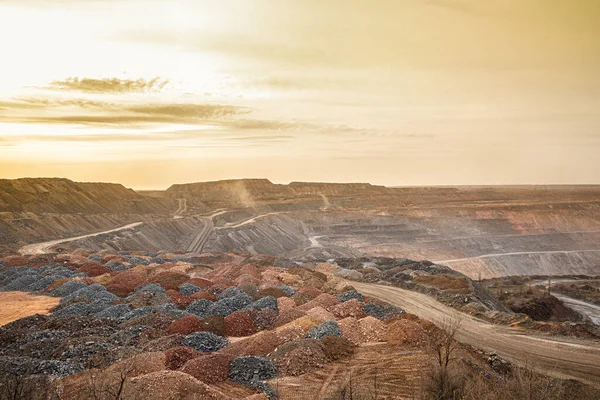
396	92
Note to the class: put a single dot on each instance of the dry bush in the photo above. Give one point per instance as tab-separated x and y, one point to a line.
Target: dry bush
443	381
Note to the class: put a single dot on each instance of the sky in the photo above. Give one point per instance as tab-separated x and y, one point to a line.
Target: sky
395	92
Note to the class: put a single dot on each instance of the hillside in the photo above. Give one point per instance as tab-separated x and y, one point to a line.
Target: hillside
63	196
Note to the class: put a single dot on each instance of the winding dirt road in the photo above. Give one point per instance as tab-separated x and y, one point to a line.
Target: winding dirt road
515	254
553	357
45	247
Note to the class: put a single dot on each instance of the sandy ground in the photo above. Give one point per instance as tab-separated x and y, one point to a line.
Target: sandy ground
17	305
556	358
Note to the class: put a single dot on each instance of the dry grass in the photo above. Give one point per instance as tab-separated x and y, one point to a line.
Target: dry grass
17	305
375	371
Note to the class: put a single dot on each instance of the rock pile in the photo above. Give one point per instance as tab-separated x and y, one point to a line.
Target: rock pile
325	329
206	342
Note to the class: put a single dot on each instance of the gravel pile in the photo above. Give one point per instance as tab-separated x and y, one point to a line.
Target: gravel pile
285	304
130	336
92	292
176	357
42	283
350	330
350	294
20	284
166	308
117	266
150	288
231	291
238	324
289	291
163	343
67	288
206	342
372	330
271	291
188	289
19	328
8	274
265	302
155	319
325	329
135	260
227	305
81	326
200	308
170	280
324	300
214	324
38	344
382	312
336	347
250	288
15	261
251	369
264	319
209	368
33	366
321	314
289	333
169	385
32	279
286	317
349	308
79	307
91	351
258	345
406	332
299	357
116	311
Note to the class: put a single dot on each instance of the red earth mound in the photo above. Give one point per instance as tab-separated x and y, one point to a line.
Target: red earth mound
239	323
264	319
277	293
170	280
288	316
92	268
351	308
209	368
336	347
186	325
200	282
176	357
404	331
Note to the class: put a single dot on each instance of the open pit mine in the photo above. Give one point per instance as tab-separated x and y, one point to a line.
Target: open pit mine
247	289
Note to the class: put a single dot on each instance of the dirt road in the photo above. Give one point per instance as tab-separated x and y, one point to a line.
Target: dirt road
553	357
248	221
201	236
182	206
44	247
443	262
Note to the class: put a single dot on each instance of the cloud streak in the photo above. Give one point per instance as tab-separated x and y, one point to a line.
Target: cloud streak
86	112
108	85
